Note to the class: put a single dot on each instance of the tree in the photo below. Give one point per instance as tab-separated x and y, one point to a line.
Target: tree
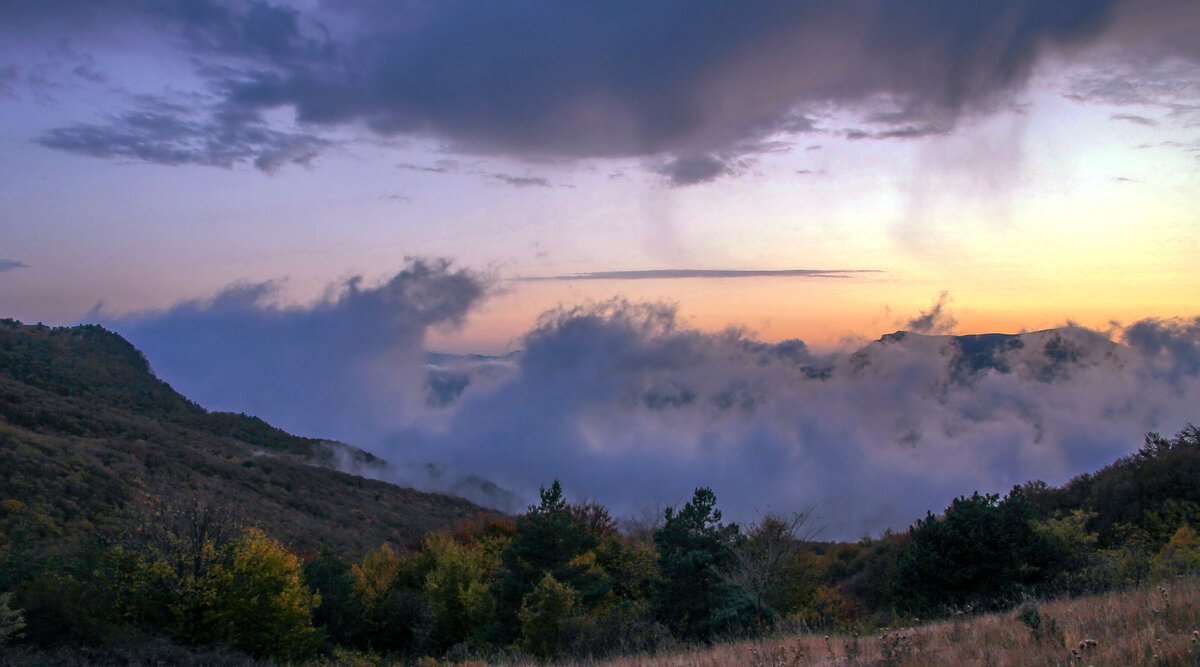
389	586
695	554
1181	555
770	568
982	552
458	591
340	614
164	566
548	541
12	621
256	600
548	616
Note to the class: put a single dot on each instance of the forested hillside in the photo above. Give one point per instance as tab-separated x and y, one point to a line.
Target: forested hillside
89	437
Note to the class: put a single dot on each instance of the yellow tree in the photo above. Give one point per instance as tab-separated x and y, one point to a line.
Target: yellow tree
256	600
389	586
458	589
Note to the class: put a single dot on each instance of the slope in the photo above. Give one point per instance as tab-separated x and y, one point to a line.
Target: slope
89	437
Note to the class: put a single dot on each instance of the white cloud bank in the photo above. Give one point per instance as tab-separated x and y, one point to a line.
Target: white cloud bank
629	407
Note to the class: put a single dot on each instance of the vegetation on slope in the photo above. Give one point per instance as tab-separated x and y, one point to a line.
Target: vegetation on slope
88	436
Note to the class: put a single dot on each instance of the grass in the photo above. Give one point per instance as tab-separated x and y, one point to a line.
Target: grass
1156	625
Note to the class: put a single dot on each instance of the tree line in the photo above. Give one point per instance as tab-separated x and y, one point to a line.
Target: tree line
562	579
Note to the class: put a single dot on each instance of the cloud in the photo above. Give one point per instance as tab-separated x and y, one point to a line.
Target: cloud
900	132
635	80
10	75
521	181
936	320
1171	85
628	405
1170	347
175	139
1135	119
676	274
11	264
439	167
694	169
343	367
670	79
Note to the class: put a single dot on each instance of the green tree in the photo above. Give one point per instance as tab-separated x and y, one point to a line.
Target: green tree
549	617
12	621
548	541
1181	555
256	600
341	614
982	552
1076	569
389	586
458	590
695	554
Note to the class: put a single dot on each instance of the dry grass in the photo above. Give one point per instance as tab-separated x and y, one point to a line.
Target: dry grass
1158	625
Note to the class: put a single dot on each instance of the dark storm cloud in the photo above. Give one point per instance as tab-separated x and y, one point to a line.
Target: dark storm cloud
11	264
674	274
687	81
250	28
342	367
628	78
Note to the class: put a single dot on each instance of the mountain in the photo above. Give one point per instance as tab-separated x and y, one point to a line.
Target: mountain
1044	356
89	436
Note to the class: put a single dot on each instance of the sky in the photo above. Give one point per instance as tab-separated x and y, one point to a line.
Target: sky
378	179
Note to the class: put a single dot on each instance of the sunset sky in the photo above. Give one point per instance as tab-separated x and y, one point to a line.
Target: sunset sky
1038	162
288	205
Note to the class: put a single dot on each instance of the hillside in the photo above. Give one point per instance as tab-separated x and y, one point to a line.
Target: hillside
88	435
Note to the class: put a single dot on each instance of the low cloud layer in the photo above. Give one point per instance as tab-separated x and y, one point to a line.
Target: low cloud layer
346	367
629	406
697	84
11	264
